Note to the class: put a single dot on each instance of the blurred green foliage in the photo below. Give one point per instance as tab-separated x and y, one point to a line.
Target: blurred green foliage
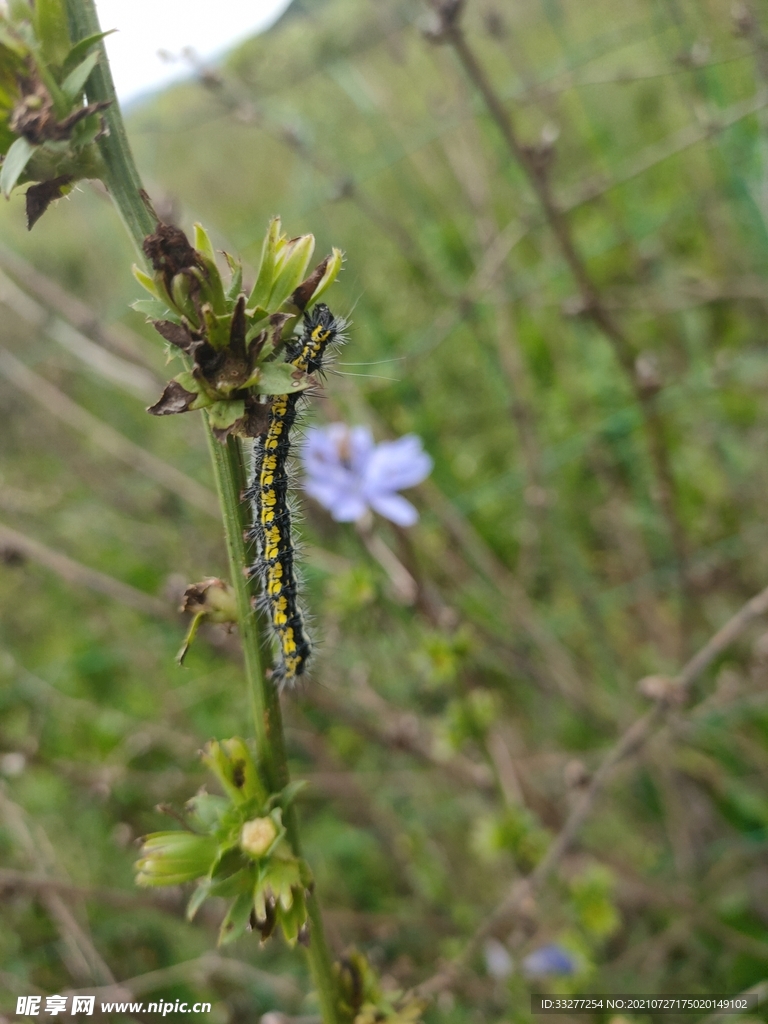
443	740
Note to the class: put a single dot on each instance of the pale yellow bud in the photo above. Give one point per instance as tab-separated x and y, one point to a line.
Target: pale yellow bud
257	836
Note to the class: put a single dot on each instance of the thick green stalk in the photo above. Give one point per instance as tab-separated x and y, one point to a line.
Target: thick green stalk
123	181
265	704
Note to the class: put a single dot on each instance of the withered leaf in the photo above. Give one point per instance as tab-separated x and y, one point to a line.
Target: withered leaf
306	289
169	252
176	334
39	197
174	399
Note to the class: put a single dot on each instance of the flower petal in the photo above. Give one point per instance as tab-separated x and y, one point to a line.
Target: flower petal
397	464
394	507
546	960
349	508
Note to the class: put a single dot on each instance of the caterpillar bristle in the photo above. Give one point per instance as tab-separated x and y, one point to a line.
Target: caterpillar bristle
273	508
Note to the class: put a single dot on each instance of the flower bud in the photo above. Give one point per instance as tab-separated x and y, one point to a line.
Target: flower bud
170	858
257	836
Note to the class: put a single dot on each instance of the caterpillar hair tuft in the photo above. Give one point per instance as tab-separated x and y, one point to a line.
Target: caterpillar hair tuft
272	518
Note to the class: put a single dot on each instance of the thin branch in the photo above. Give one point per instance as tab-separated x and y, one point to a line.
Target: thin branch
81	957
521	609
24	880
388	726
12	542
760	990
120	340
628	743
534	164
199	971
373	717
675	900
106	437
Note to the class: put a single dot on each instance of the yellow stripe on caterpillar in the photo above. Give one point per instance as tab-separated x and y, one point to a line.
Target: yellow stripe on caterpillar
275	565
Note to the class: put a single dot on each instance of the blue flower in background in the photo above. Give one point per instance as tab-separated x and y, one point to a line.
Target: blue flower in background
549	960
347	473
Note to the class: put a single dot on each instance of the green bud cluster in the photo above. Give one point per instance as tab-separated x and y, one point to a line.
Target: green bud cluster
236	847
47	131
231	338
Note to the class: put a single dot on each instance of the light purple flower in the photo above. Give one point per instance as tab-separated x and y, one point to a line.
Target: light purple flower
549	960
348	474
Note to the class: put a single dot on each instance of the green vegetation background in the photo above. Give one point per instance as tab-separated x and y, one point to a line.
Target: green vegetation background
441	744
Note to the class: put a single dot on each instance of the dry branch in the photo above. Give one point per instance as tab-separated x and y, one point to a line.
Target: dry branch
628	743
106	437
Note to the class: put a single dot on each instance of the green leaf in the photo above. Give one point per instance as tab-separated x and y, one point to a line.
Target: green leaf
60	102
233	885
211	285
50	21
146	281
236	921
80	50
10	42
199	896
279	379
293	919
74	83
292	269
16	159
236	285
154	308
189	382
203	243
182	300
265	277
291	791
20	10
259	319
225	414
217	328
207	809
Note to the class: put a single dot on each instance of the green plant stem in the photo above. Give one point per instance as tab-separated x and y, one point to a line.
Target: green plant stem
122	177
123	181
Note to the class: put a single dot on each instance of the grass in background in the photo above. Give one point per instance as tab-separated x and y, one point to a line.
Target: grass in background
348	122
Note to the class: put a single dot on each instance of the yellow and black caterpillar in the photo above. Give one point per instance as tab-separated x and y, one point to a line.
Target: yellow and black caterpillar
269	495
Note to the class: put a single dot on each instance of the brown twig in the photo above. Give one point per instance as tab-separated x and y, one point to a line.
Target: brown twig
106	437
372	716
199	971
24	880
388	726
127	375
534	163
628	743
13	542
80	955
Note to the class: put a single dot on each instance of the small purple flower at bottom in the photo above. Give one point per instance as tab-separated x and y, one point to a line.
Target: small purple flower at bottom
549	960
347	473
